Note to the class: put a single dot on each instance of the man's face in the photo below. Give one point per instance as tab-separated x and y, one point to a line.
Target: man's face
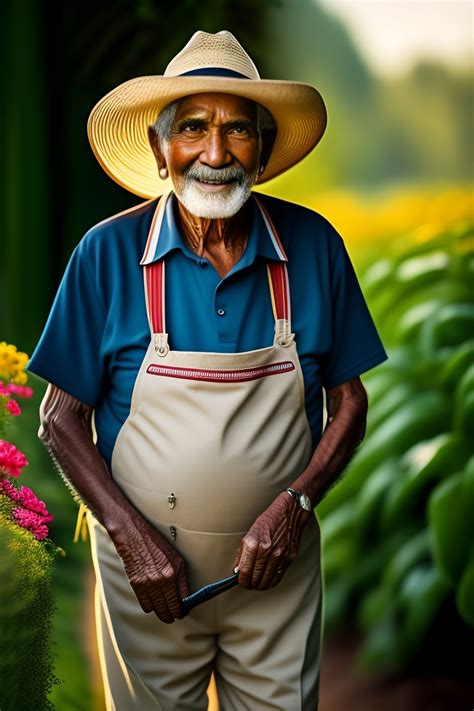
213	153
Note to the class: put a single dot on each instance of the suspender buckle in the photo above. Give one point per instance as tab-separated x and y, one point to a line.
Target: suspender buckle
161	343
283	335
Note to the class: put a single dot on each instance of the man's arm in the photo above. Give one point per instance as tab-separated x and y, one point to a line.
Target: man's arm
347	406
272	542
154	567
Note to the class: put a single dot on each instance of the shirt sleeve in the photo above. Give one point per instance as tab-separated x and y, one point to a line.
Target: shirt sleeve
68	353
356	345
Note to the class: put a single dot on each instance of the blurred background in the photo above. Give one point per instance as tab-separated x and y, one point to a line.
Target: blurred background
394	174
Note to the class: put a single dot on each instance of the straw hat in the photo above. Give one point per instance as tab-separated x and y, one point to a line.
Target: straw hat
118	124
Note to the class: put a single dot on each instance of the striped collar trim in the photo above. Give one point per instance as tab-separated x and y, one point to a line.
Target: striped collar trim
277	243
155	230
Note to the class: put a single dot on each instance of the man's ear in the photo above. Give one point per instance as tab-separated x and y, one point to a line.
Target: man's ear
268	139
155	147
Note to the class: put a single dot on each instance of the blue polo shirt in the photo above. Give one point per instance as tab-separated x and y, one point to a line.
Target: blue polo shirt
97	333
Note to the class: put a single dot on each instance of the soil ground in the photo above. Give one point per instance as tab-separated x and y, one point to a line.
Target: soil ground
344	687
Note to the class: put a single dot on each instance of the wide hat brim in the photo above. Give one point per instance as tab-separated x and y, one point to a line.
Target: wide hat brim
117	126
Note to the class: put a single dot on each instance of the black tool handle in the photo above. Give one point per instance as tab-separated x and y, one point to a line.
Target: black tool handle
207	592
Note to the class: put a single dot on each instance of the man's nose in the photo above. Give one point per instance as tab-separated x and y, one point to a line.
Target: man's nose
215	153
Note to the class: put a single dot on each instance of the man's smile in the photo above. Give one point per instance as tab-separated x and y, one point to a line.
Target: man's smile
214	185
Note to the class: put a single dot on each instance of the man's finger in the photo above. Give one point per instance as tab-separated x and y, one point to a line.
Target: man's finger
277	576
274	577
183	584
260	566
160	606
274	569
173	599
145	601
238	553
247	562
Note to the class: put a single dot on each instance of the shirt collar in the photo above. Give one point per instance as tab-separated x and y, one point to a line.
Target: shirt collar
164	235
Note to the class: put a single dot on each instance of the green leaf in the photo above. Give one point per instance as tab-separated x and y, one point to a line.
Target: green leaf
450	508
425	464
465	594
421	596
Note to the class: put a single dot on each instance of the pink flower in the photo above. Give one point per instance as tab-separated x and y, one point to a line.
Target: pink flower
11	459
28	499
31	521
13	407
21	390
7	488
4	389
31	512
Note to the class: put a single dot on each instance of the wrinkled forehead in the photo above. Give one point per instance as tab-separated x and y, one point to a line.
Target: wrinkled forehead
212	103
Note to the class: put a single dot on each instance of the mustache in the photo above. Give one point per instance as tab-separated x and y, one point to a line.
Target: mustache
218	175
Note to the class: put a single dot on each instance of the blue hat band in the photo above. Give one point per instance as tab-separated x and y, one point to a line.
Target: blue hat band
213	72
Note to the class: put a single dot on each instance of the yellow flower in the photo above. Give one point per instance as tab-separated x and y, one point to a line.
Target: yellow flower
413	212
12	364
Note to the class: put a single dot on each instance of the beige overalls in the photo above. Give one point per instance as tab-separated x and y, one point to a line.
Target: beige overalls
211	439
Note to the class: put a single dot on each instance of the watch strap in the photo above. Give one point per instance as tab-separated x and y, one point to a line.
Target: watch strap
300	498
294	494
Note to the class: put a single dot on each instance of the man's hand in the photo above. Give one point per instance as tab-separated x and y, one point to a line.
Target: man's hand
271	544
156	571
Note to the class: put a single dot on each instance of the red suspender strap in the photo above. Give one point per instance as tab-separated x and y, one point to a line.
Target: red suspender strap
279	281
155	283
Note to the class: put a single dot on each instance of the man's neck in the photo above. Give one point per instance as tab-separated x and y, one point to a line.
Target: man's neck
203	233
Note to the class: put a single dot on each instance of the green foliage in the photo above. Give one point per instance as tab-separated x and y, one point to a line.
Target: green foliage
450	508
26	610
398	530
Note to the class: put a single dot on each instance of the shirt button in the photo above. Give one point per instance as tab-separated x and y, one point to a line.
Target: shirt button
221	312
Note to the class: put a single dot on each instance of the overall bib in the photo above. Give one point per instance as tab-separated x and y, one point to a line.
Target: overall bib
211	439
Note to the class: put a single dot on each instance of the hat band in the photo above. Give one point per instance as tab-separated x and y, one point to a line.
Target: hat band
213	71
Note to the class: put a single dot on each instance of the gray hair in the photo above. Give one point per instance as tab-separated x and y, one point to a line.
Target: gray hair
164	121
165	118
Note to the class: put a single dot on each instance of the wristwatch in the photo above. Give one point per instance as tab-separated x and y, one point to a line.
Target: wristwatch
302	500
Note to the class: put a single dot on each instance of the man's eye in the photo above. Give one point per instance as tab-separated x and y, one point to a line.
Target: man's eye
191	127
243	131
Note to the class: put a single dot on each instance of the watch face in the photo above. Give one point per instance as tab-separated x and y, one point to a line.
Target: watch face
305	502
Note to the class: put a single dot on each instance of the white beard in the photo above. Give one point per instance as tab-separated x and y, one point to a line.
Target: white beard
212	205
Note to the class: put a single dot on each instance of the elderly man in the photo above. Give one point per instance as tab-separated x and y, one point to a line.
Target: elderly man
186	413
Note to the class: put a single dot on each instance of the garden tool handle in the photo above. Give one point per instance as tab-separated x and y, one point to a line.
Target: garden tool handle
207	592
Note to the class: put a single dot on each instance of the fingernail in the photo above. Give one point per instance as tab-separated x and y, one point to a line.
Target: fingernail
236	570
